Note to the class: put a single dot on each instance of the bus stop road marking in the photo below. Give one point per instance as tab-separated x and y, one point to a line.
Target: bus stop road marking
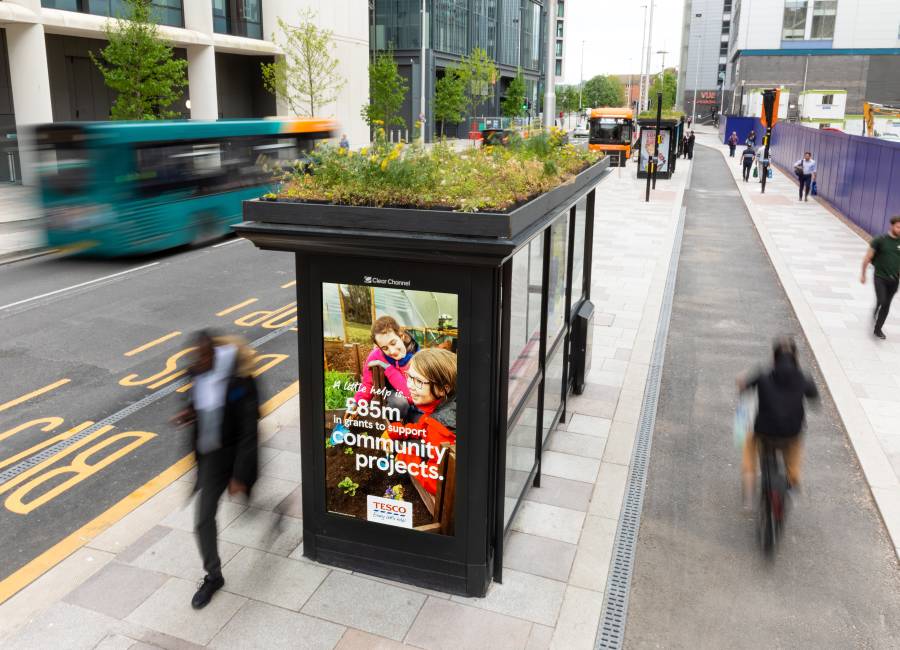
147	346
68	545
34	393
77	286
228	310
289	284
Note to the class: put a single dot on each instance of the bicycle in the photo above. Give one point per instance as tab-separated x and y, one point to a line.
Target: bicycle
773	496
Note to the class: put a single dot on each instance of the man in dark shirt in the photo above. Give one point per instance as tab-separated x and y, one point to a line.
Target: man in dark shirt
884	255
747	158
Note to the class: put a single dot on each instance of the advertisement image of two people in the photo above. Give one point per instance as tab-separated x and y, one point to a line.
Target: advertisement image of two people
390	405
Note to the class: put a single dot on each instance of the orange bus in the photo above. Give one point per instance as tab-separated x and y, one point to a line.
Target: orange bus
612	131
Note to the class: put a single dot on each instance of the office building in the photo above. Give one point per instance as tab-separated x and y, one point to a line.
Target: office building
512	32
705	39
46	74
841	51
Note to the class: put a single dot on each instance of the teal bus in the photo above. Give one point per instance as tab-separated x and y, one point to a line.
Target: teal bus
113	189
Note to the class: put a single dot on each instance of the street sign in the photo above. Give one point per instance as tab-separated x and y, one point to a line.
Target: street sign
770	107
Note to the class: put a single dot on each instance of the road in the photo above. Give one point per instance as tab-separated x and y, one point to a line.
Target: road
91	354
700	580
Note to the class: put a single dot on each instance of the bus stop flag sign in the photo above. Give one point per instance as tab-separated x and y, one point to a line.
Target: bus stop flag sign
770	107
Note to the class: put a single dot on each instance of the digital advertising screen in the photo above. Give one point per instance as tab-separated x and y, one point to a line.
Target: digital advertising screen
390	378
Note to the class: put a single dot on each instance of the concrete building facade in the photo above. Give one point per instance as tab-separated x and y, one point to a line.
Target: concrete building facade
514	34
850	45
706	35
46	74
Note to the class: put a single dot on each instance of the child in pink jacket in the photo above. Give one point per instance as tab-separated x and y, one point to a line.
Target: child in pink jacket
393	351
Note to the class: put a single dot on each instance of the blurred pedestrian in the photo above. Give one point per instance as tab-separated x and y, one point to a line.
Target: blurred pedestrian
224	414
762	163
747	158
684	145
344	143
884	255
780	415
690	146
805	168
751	138
732	143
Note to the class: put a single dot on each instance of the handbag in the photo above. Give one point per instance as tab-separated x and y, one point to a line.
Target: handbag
756	172
815	189
798	170
768	172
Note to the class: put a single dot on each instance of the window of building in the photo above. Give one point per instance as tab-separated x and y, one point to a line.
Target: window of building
561	8
559	29
483	26
558	67
449	20
823	17
726	27
165	12
397	24
238	17
559	46
827	100
510	24
794	24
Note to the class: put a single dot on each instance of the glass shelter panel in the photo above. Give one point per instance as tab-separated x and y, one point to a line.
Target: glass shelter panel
578	250
556	279
553	390
525	322
520	454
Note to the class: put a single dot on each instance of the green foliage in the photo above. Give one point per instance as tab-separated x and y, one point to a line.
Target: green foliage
306	76
487	178
567	98
335	393
140	66
348	486
449	98
603	91
479	74
669	85
387	89
513	104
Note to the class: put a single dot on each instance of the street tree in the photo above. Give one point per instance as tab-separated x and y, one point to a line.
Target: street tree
513	105
669	85
480	76
603	90
449	98
306	76
387	90
140	66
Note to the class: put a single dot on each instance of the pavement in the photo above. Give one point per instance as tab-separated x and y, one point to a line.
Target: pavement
20	214
127	583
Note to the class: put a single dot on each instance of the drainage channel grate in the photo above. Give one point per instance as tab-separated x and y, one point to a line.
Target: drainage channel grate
611	633
45	454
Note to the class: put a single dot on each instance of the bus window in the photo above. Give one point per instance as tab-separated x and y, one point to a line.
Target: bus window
608	130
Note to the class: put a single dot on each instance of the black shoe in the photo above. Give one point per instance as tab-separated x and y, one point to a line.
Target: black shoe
205	591
880	334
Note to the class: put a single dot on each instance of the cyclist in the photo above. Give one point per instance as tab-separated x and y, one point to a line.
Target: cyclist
780	415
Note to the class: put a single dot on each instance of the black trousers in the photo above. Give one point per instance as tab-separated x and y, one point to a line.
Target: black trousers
747	167
805	181
213	475
885	289
731	148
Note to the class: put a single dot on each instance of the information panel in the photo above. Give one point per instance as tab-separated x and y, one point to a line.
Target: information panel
648	144
390	404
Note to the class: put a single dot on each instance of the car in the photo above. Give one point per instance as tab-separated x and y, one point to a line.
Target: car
581	131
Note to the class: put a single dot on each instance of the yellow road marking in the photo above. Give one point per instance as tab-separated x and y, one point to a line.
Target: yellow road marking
34	393
289	284
64	548
249	301
147	346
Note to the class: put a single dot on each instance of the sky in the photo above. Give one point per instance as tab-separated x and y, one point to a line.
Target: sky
612	31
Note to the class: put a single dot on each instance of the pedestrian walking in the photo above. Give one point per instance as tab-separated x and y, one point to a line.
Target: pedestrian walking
751	138
344	143
732	143
884	255
747	158
689	122
762	163
805	169
690	146
224	414
684	145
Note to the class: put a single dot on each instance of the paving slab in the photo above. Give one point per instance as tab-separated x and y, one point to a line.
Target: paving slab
447	625
260	626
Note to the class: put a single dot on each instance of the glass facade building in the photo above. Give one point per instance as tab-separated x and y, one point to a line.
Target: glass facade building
166	12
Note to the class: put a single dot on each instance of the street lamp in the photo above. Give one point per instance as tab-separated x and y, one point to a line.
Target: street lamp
581	82
647	63
643	46
422	81
697	75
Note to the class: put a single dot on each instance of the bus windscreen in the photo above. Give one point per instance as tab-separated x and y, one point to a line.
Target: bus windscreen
610	130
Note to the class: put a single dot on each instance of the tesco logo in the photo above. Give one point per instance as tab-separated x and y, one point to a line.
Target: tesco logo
389	507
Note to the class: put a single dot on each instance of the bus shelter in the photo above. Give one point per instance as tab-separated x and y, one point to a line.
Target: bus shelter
497	315
666	160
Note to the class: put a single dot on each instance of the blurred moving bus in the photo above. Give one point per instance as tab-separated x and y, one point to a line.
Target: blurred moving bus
612	132
128	188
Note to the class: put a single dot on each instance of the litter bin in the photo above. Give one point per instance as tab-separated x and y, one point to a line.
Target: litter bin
667	147
486	304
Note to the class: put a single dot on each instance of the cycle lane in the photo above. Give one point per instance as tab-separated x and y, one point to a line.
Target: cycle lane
699	579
